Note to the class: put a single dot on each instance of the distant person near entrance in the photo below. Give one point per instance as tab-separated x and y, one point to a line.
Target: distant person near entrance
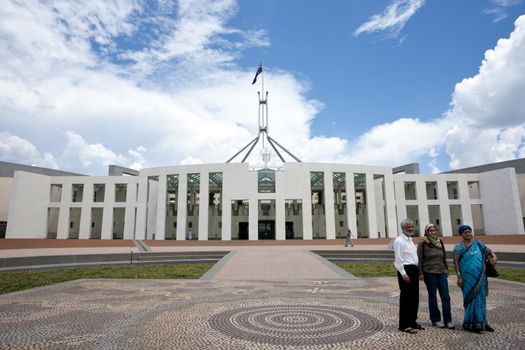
349	238
189	237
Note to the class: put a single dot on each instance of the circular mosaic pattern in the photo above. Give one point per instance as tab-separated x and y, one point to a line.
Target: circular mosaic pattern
295	324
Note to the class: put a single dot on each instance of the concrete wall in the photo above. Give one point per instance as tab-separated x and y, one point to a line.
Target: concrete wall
6	184
501	202
28	209
521	188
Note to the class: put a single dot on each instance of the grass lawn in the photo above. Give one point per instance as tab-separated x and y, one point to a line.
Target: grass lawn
15	281
377	269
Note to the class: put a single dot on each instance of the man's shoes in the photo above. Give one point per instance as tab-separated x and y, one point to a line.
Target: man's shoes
438	324
450	325
418	326
409	330
488	328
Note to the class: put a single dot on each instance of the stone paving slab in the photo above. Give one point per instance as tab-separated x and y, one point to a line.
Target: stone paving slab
195	314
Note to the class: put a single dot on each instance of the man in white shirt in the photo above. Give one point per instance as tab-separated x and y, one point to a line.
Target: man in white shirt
406	263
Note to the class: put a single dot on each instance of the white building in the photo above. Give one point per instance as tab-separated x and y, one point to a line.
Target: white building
298	201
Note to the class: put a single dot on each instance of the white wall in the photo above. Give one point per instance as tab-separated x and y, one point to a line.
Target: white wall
501	202
28	208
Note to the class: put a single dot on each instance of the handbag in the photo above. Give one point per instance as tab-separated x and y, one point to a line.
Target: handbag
490	270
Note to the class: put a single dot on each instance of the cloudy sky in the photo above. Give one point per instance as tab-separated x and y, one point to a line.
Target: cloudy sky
85	84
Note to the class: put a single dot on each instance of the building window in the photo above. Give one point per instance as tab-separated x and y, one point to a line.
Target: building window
77	192
410	191
56	193
99	191
121	192
431	187
266	181
452	189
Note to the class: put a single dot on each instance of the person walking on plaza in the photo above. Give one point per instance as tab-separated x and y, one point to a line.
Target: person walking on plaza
406	263
349	238
469	262
434	268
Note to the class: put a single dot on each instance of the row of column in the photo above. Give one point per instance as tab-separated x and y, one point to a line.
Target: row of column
157	203
444	204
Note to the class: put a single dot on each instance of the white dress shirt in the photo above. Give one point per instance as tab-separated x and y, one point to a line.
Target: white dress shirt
406	253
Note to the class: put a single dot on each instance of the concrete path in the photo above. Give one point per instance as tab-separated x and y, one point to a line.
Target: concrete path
274	264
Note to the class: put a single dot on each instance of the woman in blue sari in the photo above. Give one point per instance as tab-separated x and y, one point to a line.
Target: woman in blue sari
470	270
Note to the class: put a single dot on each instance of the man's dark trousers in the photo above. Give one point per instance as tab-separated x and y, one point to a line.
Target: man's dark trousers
409	299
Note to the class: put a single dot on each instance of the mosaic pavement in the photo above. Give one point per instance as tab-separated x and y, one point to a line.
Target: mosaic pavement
193	314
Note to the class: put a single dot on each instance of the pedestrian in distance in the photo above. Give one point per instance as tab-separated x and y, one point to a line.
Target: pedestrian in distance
349	238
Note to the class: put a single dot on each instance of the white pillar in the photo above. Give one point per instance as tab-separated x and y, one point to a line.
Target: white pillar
329	205
160	231
390	202
464	198
182	198
280	218
253	218
371	206
129	219
63	216
140	232
226	219
107	217
204	206
422	204
350	203
307	209
444	208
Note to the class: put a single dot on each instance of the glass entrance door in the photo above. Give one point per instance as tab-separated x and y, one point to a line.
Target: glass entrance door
266	229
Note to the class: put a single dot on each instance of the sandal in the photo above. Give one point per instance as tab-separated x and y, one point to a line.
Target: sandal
409	330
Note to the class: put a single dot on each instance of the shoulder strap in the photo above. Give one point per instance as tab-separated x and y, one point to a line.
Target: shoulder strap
444	254
483	251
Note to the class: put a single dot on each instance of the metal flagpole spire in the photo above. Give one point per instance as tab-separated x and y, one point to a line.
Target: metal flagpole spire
263	126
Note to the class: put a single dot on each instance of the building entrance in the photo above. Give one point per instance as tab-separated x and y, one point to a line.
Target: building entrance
289	230
267	229
243	230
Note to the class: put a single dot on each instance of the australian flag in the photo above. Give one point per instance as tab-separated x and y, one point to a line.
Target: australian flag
259	71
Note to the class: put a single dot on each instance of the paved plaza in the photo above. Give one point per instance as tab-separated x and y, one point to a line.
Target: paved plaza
252	299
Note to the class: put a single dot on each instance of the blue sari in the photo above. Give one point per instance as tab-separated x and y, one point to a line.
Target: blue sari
475	286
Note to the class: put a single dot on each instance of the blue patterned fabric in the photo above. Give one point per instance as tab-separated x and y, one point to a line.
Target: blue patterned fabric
475	286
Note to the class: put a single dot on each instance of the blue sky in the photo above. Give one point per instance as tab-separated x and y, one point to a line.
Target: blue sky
153	83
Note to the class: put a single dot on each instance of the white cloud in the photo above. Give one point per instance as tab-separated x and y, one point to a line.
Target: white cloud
399	142
18	150
89	154
488	109
393	19
190	160
499	8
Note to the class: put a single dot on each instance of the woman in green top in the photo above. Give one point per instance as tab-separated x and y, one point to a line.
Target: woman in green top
434	268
